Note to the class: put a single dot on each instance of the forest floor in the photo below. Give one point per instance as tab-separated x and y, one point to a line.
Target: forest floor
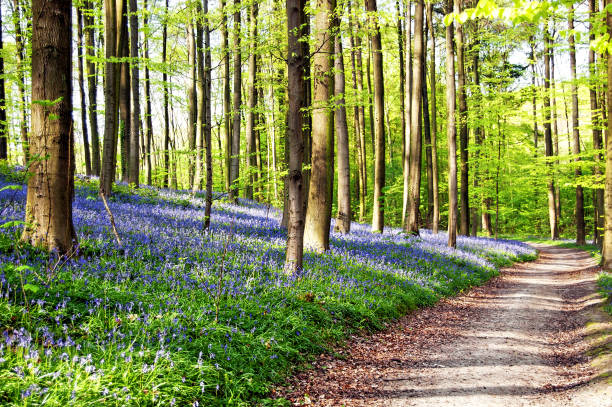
534	336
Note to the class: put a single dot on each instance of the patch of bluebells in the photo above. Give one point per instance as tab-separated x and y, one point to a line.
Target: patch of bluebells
135	324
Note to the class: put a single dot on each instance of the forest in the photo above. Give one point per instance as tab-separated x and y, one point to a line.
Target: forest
198	197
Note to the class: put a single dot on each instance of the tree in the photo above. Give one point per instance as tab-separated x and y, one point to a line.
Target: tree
552	209
434	127
207	116
166	97
18	17
3	123
92	86
412	220
227	101
147	95
51	184
318	214
580	228
296	60
252	103
125	103
237	102
134	159
463	126
80	57
451	133
343	220
192	101
606	260
378	218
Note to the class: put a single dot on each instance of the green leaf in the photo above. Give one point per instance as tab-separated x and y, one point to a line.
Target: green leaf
448	19
10	188
12	223
31	287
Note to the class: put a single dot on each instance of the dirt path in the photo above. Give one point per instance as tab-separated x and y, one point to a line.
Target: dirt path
520	340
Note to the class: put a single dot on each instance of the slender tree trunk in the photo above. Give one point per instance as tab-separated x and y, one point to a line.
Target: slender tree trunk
207	116
166	98
451	133
463	129
427	133
237	99
296	20
51	184
378	218
252	102
80	57
580	226
227	101
3	123
534	94
343	220
554	229
318	214
598	195
407	115
20	60
92	87
113	43
434	147
555	129
606	260
195	154
402	71
259	192
147	85
125	105
478	135
134	163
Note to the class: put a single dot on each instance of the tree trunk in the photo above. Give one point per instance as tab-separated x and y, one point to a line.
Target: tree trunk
318	214
3	123
478	134
207	117
407	114
237	102
148	119
252	102
227	101
296	20
80	57
555	130
125	105
51	184
195	154
20	59
134	162
552	215
113	43
606	260
92	87
402	72
343	220
434	145
534	94
598	201
463	129
166	98
379	122
427	133
412	220
451	133
580	227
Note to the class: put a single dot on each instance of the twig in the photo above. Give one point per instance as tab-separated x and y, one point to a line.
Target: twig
111	217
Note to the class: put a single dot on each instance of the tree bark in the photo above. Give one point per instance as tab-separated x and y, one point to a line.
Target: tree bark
237	102
227	101
296	20
534	94
195	154
463	129
598	196
318	214
606	260
134	162
207	117
166	98
478	135
379	122
80	57
580	226
51	185
92	87
147	89
412	220
343	220
125	105
20	59
251	168
451	133
552	215
402	72
434	144
3	123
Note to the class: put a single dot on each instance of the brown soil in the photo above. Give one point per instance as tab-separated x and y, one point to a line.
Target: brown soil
523	339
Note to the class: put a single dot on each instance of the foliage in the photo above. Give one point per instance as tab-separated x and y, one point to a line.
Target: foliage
135	324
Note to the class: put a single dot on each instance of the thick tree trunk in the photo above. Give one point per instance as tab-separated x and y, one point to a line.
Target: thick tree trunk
125	105
51	184
113	41
318	214
343	220
580	227
378	218
195	154
166	98
434	145
237	102
227	101
20	60
606	260
92	87
134	162
463	129
451	133
80	57
552	215
147	85
412	220
3	123
598	195
296	19
251	168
